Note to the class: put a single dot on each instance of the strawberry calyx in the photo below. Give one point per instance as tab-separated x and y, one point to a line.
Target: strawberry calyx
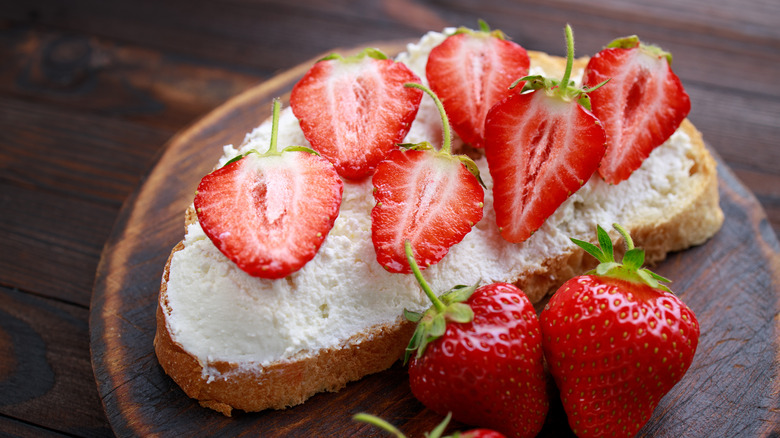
484	30
272	149
432	323
370	52
629	269
381	423
446	145
373	420
564	88
632	41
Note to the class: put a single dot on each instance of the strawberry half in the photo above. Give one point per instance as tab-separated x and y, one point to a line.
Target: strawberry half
429	197
355	110
642	106
541	146
478	354
470	71
269	213
616	341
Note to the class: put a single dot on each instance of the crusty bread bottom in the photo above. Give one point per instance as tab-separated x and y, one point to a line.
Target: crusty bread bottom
282	384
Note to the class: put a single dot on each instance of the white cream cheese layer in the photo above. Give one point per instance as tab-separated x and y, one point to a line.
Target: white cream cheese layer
220	313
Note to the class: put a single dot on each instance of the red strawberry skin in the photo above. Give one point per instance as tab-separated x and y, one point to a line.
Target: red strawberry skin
488	372
470	72
355	111
270	214
426	197
615	348
641	106
540	149
481	433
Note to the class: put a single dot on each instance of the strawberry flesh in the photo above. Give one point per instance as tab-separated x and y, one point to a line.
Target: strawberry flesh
270	214
426	197
470	72
354	111
641	107
540	149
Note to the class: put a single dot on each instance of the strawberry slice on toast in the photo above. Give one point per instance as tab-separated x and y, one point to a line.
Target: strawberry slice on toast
470	71
355	110
641	108
269	213
431	198
541	146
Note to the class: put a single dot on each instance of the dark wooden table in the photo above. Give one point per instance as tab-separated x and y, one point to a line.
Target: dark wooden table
91	91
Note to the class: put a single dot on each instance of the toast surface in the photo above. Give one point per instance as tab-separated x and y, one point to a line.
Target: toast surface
687	216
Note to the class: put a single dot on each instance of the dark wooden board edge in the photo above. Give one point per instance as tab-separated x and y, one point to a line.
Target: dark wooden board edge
732	386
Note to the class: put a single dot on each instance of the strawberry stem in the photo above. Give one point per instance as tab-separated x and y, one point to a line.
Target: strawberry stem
446	133
569	57
437	432
626	237
440	307
378	422
432	324
274	127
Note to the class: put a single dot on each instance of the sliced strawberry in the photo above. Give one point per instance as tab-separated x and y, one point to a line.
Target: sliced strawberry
355	110
471	71
541	146
642	106
270	213
428	197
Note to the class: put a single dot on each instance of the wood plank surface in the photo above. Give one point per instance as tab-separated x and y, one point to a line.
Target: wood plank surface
737	348
90	91
49	364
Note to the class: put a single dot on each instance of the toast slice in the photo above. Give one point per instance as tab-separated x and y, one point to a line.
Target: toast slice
232	341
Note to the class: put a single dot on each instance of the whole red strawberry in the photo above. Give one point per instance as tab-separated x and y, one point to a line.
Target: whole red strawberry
541	146
472	70
355	110
616	341
269	213
429	197
435	433
641	108
478	354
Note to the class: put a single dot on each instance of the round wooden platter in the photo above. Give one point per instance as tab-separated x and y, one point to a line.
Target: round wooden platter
732	283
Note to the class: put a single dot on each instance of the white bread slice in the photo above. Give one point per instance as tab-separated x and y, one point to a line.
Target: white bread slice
232	341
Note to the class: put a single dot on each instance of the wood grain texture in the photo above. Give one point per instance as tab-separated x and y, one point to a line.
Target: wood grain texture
64	176
50	351
738	346
97	75
20	429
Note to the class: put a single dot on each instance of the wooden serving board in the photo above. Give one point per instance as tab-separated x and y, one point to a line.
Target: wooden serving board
732	283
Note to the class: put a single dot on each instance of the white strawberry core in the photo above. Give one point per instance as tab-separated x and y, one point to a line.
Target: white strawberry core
278	185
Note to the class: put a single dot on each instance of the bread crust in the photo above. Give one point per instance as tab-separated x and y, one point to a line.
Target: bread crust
252	387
